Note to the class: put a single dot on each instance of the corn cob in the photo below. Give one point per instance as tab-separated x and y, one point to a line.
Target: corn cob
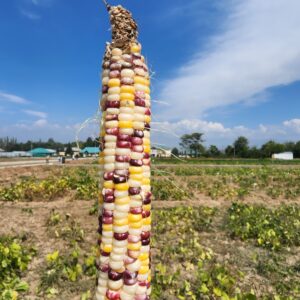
125	194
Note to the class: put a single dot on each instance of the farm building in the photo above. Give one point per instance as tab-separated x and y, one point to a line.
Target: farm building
42	152
90	151
161	152
75	151
283	155
14	154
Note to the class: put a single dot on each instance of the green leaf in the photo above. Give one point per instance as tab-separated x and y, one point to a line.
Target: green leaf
217	292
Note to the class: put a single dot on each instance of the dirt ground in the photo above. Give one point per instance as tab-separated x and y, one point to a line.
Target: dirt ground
13	174
30	219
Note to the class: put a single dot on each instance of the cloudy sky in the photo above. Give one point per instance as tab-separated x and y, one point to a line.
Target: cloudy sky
225	68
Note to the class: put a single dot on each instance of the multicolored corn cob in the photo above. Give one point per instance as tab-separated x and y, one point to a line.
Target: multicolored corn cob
125	193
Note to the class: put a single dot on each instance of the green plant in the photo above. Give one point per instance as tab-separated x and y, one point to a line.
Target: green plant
270	228
14	260
60	267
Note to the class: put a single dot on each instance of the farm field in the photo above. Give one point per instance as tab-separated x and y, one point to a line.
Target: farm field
226	161
219	232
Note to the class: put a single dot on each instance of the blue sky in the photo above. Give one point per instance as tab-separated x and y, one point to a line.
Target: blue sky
225	68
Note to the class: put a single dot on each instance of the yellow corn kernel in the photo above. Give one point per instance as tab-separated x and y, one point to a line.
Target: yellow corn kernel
134	218
134	246
136	225
147	90
143	270
125	124
107	227
121	222
147	149
128	89
102	133
146	181
122	201
135	48
144	256
147	119
138	177
114	82
140	80
146	141
108	184
135	170
147	207
122	186
145	262
106	248
127	96
147	221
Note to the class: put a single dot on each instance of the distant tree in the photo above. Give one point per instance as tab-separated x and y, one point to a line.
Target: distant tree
271	147
9	144
213	151
69	150
241	146
254	153
289	146
185	142
193	143
297	150
175	151
90	142
229	151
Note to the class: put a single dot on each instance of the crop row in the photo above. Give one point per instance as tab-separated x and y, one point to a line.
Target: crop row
168	184
184	268
82	181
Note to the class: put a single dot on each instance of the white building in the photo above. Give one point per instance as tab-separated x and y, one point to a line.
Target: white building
15	154
283	155
160	152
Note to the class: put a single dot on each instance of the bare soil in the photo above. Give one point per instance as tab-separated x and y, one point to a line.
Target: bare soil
30	219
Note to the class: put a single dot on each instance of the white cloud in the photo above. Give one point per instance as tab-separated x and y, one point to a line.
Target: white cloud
43	129
293	124
30	15
40	123
263	128
13	98
35	113
168	133
165	133
259	49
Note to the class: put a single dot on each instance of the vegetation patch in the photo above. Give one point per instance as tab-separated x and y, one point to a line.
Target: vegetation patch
80	180
270	228
14	260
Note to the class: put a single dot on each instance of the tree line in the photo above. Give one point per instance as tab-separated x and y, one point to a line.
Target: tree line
11	144
192	145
